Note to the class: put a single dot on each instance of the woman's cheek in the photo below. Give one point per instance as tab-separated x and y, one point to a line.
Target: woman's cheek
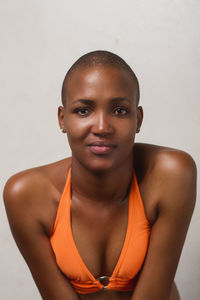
76	133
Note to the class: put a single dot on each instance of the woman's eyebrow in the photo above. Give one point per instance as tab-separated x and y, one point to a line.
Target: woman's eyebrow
119	99
92	102
84	101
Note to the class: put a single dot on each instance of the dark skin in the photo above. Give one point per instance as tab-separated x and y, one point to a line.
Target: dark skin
166	178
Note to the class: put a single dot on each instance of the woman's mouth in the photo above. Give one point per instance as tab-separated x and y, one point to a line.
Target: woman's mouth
101	148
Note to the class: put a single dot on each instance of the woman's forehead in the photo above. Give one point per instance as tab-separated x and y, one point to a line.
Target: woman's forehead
100	79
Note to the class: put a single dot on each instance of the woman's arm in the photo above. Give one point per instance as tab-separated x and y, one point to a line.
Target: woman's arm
33	243
174	179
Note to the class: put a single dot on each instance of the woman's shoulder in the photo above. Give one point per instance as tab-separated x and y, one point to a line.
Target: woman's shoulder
34	194
158	158
36	187
168	177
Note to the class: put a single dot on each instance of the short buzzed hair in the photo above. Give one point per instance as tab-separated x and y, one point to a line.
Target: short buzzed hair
100	58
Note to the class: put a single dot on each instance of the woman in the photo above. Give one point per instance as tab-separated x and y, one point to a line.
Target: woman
110	221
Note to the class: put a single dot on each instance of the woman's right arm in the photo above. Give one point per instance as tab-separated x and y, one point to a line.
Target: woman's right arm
34	244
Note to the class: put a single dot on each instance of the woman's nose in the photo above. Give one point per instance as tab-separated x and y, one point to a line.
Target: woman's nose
102	124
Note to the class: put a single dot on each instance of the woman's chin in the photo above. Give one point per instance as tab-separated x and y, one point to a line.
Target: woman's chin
100	168
99	165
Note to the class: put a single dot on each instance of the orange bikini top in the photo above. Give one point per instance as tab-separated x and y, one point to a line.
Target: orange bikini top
132	254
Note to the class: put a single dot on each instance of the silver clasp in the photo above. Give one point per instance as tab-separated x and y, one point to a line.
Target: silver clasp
104	280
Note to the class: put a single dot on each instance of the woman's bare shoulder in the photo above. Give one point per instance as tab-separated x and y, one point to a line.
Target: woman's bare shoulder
32	184
167	172
155	157
35	192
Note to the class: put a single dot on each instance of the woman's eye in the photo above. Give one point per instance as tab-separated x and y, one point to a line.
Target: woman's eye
120	111
82	111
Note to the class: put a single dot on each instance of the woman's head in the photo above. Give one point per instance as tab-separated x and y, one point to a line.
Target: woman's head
100	110
100	58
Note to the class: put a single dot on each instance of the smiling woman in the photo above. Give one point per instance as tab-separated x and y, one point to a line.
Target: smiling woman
110	221
101	116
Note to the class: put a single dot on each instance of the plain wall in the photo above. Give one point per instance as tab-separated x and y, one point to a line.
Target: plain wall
39	42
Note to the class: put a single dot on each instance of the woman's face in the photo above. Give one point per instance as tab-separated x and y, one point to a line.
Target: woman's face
101	117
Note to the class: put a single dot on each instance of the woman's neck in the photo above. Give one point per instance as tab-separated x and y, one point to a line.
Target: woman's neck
103	188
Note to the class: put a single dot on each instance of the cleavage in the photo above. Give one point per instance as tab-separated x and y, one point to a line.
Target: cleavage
99	236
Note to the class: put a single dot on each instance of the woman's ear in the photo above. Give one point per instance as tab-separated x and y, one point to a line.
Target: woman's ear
61	115
140	115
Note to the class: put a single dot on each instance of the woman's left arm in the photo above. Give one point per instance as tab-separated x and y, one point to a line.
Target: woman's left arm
175	177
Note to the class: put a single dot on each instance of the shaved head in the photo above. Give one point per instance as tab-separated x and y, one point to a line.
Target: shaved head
99	58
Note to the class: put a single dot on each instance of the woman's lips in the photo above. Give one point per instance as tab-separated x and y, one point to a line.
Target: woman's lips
100	149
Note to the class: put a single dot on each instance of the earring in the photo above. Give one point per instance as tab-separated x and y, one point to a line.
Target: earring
138	129
62	130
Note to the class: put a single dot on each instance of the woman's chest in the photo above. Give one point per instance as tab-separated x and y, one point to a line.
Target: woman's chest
91	241
99	236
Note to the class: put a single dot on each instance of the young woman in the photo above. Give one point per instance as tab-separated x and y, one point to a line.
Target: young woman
110	221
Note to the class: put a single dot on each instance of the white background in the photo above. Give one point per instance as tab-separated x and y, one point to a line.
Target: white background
39	42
